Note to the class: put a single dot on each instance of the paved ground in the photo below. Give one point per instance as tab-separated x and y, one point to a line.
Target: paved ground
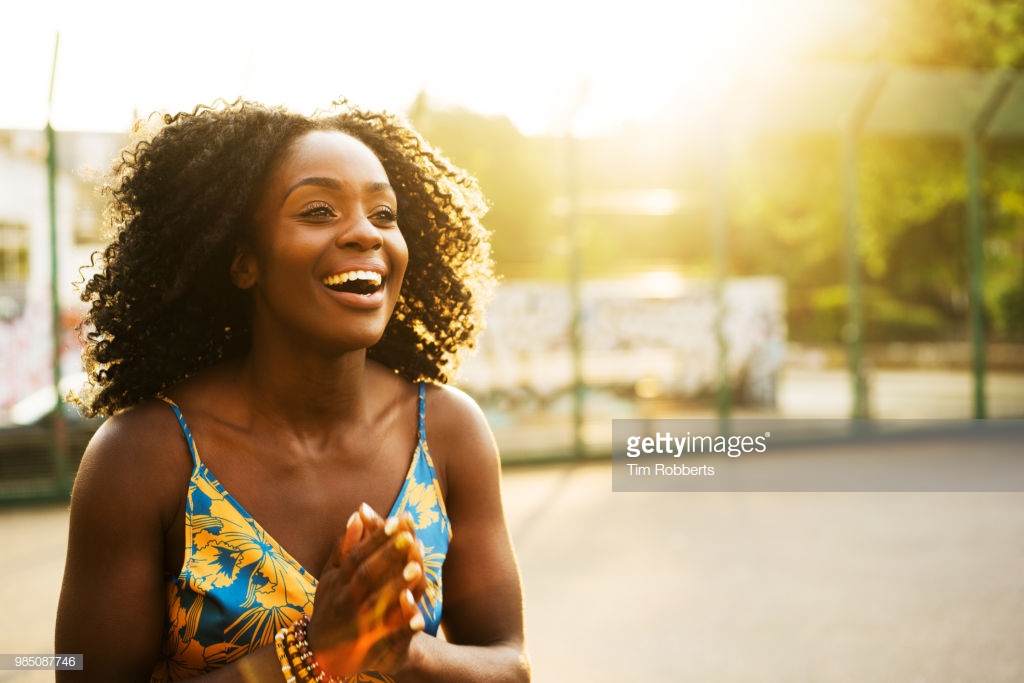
33	540
767	586
704	587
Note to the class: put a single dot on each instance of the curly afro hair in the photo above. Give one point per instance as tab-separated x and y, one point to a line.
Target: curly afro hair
162	305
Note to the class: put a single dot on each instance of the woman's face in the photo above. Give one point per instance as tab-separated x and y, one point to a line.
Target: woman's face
327	259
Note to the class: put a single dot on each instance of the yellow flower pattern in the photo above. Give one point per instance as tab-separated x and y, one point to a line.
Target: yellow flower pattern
238	586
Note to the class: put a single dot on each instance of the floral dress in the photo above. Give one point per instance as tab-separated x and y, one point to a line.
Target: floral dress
238	586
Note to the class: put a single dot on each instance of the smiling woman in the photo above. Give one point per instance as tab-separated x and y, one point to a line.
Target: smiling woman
190	200
286	296
327	180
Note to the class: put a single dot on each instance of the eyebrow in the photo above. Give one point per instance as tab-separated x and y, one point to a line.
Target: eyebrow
333	184
319	181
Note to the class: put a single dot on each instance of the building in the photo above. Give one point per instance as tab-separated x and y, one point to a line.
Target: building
26	252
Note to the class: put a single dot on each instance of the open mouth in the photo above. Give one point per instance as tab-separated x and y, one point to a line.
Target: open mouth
363	282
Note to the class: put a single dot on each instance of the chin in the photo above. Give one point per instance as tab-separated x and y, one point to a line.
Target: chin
356	341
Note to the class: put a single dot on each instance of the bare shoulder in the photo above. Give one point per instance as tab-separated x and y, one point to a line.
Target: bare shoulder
455	419
127	494
139	455
460	440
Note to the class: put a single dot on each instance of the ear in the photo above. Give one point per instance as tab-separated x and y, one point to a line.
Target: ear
243	268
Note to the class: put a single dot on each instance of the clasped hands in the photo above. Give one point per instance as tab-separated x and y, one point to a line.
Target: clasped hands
365	612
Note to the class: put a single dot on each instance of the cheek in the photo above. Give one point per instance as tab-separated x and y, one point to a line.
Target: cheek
296	251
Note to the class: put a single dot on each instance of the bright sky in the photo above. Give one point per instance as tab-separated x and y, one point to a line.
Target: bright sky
527	59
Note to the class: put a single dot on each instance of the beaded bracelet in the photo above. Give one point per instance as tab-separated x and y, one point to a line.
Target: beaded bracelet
297	661
282	657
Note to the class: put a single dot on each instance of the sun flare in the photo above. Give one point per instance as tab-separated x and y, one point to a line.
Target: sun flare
539	63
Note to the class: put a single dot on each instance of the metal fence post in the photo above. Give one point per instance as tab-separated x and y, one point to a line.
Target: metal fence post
58	425
854	331
975	231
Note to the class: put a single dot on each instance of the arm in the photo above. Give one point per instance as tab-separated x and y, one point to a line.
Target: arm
126	495
483	607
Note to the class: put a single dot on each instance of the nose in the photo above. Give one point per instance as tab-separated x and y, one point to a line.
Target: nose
360	234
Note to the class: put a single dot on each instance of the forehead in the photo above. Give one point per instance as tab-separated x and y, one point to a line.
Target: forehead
330	154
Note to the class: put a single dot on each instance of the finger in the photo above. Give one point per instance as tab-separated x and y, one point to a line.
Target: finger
418	552
415	571
371	520
383	556
392	647
388	571
410	612
369	546
353	533
385	619
402	522
388	641
364	521
400	590
390	527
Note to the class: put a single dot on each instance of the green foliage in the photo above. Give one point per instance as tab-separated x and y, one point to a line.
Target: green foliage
971	33
786	219
818	313
912	195
914	238
1004	246
517	176
786	208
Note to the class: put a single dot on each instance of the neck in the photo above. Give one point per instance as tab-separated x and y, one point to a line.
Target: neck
307	390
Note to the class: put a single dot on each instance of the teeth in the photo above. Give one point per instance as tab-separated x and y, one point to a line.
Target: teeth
342	278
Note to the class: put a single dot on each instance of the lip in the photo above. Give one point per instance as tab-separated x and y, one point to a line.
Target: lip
351	299
362	301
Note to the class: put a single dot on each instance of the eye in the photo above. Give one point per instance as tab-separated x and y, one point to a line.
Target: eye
318	210
385	214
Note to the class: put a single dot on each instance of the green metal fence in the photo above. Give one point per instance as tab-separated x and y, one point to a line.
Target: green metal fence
858	102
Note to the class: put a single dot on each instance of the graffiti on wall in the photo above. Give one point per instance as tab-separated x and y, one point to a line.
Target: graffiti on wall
634	341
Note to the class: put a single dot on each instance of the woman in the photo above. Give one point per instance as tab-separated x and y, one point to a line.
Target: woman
270	332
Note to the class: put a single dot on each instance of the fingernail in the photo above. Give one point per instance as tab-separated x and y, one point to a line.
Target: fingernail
367	510
351	520
407	596
411	572
404	541
417	623
390	526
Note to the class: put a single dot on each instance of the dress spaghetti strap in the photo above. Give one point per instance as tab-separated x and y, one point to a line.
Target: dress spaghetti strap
185	430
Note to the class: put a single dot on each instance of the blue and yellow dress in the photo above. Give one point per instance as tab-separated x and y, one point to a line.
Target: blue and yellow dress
238	586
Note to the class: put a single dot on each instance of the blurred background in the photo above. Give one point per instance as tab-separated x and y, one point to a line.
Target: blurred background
769	208
772	208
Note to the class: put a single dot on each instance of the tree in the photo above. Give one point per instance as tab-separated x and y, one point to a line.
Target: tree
912	195
516	175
